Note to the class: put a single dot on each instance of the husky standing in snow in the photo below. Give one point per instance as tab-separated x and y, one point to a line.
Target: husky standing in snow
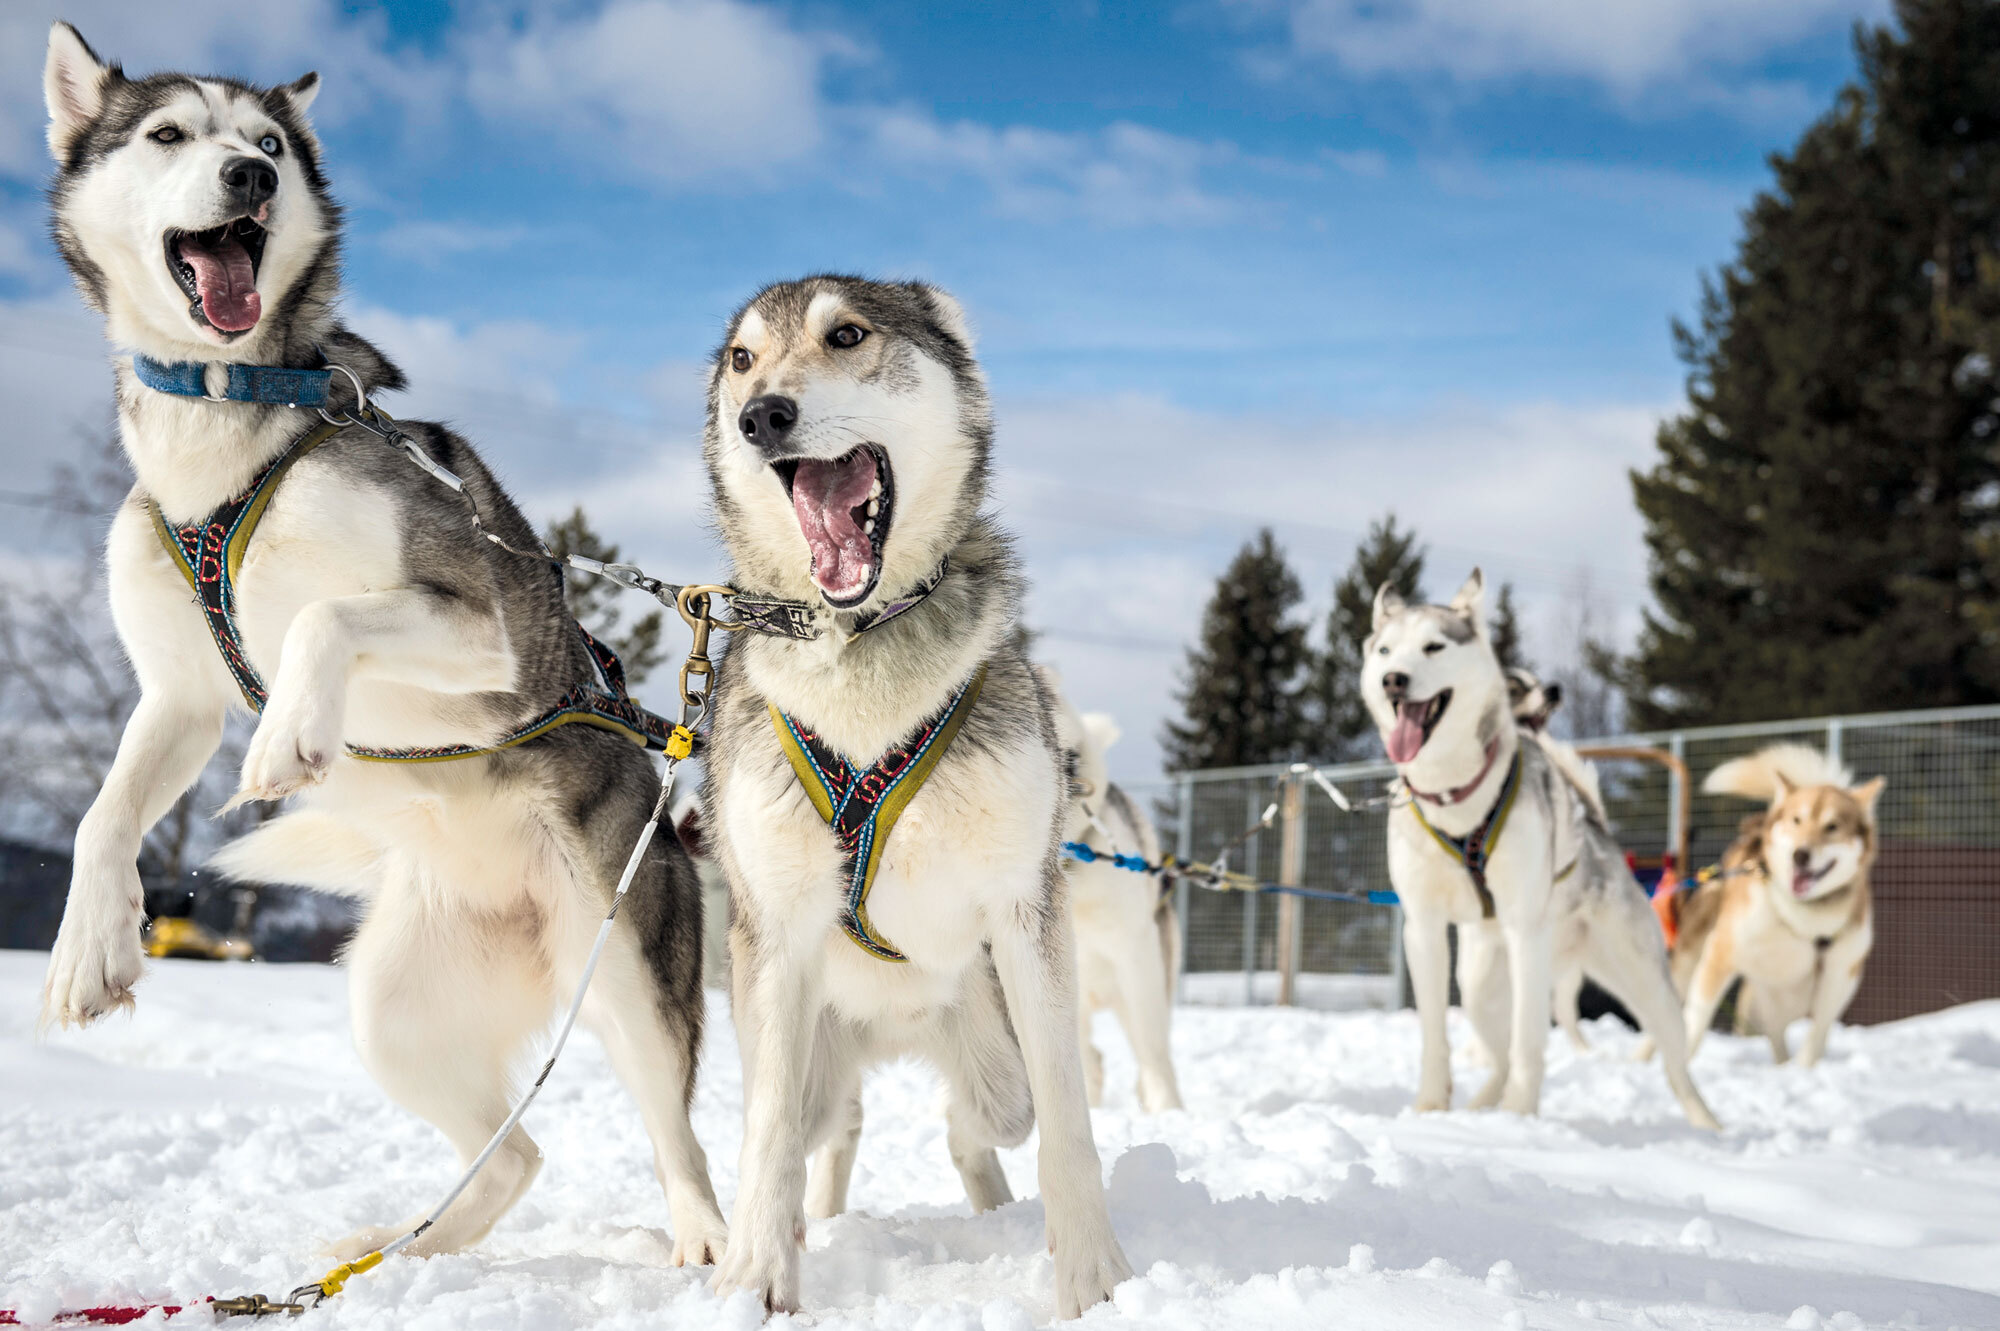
1128	939
367	619
1504	836
1793	914
884	778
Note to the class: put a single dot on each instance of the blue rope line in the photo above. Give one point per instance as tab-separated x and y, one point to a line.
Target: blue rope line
1089	854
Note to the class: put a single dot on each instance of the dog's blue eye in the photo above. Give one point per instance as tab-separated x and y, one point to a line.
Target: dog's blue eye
269	143
847	335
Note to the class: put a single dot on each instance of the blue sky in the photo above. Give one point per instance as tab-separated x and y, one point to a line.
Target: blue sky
1285	261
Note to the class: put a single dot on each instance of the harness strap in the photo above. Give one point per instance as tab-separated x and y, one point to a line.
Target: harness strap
1475	848
209	554
862	805
271	385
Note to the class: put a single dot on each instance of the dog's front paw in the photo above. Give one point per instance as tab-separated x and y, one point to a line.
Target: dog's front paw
294	747
766	1264
1433	1097
700	1239
1522	1097
95	962
1088	1268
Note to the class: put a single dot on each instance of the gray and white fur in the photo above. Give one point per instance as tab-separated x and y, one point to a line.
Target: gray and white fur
374	615
848	441
1438	697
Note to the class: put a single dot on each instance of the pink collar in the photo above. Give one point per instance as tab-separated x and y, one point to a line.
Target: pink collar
1459	794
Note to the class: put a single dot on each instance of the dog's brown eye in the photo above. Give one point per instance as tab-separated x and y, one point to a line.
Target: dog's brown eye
166	134
847	335
739	359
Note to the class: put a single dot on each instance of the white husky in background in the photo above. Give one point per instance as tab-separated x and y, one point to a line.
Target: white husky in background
1128	939
1504	837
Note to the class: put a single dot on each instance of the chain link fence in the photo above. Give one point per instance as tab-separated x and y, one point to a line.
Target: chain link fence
1936	879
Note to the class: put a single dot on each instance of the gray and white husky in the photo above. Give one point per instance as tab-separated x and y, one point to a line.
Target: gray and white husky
1505	836
847	442
367	611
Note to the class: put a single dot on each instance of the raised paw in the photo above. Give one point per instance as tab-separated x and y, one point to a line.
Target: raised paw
93	966
294	747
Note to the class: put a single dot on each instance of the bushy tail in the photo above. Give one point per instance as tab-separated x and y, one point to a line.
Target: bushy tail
1756	777
1580	774
303	849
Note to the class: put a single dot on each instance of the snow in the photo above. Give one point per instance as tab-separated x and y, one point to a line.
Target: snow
211	1142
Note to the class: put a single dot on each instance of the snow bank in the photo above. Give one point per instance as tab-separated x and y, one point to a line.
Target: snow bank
210	1143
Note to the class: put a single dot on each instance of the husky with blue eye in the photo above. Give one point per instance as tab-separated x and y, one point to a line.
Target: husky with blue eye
415	684
885	783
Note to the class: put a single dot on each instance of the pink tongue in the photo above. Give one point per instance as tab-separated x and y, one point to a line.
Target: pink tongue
825	496
227	282
1802	882
1407	735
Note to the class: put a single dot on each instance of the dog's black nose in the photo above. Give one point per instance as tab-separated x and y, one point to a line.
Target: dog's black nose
1395	684
1553	693
249	181
1802	857
768	419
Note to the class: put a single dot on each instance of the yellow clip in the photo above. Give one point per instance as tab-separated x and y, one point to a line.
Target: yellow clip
681	743
331	1282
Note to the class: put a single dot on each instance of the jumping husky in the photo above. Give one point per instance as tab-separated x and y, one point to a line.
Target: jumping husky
1504	836
1793	914
1128	939
884	778
366	619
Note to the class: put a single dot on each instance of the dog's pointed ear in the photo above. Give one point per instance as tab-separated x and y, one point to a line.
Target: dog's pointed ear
1102	728
1471	595
301	91
951	316
1782	787
1388	602
73	84
1868	792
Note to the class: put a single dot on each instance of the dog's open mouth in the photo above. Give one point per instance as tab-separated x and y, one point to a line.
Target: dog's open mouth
843	506
1805	880
1414	723
217	268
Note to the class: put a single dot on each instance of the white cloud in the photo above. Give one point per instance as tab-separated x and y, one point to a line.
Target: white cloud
1629	46
1122	175
436	241
666	89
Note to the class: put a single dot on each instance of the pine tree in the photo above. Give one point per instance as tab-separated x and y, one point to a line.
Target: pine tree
1820	518
1504	629
1341	729
594	601
1240	696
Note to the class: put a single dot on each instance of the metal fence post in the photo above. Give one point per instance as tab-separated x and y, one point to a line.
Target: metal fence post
1184	852
1250	909
1677	798
1291	873
1834	736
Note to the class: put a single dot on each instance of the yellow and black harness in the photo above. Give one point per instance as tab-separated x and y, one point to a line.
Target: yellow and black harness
862	804
210	553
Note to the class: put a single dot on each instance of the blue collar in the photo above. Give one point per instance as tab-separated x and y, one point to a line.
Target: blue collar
273	385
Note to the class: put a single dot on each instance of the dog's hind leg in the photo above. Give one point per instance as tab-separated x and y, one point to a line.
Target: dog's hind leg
652	1033
1568	995
989	1102
1625	954
1145	1011
1487	999
443	999
833	1164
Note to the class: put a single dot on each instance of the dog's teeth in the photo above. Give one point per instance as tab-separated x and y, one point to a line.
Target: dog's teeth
868	527
874	492
874	507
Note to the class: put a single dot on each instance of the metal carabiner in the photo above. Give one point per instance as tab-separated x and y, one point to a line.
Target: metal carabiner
693	603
